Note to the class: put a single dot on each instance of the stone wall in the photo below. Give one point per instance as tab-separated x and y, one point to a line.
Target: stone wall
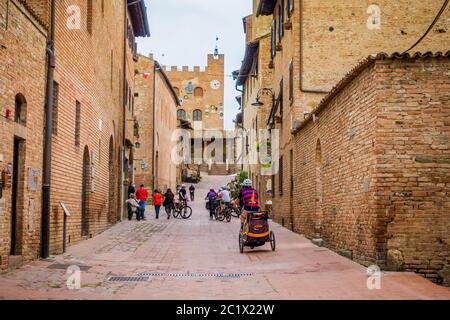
372	166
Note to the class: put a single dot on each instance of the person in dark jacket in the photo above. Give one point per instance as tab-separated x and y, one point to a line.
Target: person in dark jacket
131	189
192	192
168	202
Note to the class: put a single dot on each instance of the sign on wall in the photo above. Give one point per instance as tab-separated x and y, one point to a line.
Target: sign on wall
33	179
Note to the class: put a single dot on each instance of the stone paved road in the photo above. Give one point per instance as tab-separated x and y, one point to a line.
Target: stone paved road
199	259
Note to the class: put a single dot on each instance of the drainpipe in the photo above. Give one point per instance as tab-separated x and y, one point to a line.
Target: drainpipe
124	101
46	179
155	67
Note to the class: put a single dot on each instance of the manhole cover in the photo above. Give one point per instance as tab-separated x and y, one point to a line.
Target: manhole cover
128	279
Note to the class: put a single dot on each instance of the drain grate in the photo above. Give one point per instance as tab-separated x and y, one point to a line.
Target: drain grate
197	275
128	279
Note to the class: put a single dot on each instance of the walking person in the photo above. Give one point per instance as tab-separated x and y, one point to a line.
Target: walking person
157	202
211	197
168	202
142	196
192	191
133	207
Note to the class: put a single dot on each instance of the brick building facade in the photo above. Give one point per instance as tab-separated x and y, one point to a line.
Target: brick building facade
255	76
372	166
93	115
23	36
315	44
156	105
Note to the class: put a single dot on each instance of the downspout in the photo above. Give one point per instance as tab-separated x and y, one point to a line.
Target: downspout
125	97
302	89
154	129
46	179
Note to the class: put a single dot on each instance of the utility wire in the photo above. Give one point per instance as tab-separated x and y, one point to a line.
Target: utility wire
431	26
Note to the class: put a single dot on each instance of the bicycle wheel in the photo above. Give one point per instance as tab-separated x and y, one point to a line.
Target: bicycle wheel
272	240
235	212
219	214
241	243
186	212
228	216
175	213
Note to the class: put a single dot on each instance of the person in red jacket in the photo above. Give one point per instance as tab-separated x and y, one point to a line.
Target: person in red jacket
157	202
142	195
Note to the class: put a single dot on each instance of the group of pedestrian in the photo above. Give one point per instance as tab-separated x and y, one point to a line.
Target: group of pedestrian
137	202
166	200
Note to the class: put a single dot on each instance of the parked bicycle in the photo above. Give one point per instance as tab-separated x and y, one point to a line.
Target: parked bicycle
182	210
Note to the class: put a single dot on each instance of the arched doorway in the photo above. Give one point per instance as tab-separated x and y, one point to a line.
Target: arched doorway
112	183
85	193
319	191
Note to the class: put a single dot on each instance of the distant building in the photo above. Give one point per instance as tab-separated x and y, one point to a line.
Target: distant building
156	105
201	94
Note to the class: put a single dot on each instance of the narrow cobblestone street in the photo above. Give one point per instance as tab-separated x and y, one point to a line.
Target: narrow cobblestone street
199	259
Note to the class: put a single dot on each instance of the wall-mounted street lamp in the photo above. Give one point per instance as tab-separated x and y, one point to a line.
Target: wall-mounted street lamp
261	93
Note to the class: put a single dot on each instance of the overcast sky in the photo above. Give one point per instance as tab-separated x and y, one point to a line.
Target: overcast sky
183	32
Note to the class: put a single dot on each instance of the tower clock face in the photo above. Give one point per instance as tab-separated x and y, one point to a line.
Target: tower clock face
215	84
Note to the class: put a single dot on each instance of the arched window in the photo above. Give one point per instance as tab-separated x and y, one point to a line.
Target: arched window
181	114
20	110
198	92
197	115
177	91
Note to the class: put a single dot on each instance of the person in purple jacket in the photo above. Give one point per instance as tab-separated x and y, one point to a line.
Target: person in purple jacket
211	197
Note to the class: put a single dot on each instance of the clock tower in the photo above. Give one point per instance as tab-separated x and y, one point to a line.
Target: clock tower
201	92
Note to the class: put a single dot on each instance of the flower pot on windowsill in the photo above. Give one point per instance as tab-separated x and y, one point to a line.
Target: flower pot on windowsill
271	64
279	46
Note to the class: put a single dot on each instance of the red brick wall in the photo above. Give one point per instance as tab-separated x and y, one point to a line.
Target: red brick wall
413	165
22	69
89	69
383	193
